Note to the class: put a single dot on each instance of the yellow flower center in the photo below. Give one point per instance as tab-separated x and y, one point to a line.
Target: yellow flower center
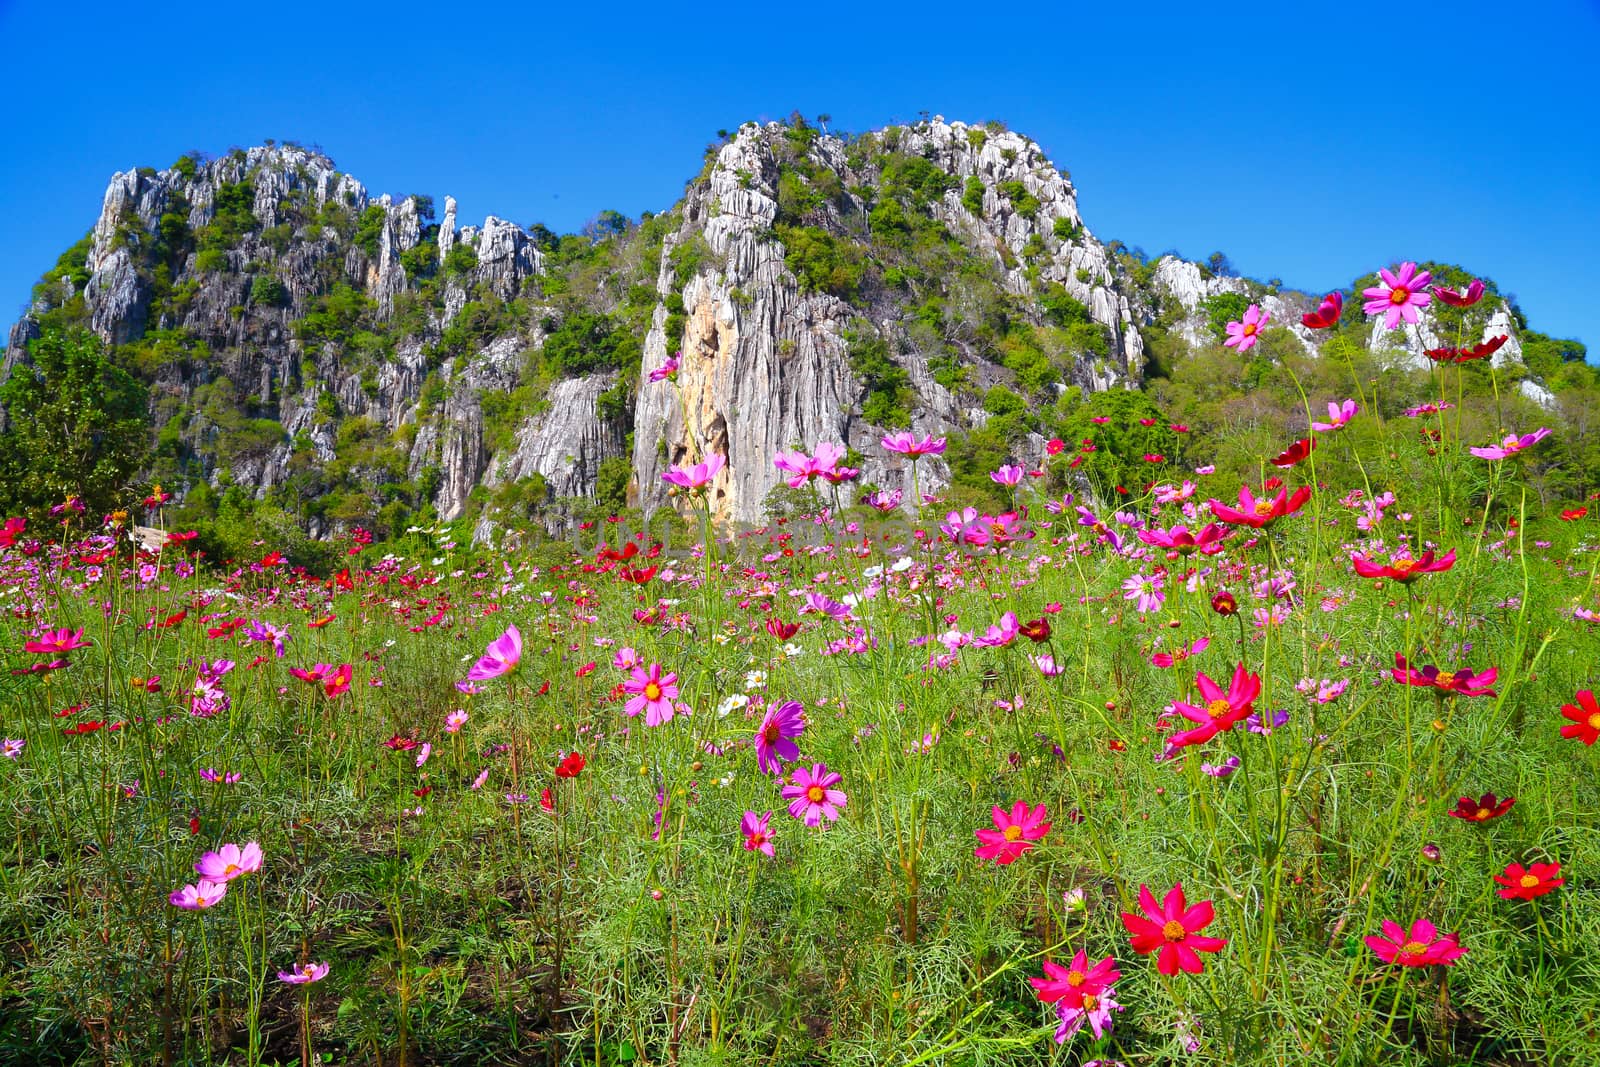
652	691
1403	565
1089	1001
231	869
1076	978
1263	508
816	794
1528	881
1013	833
1174	931
1481	814
1594	721
1218	708
1446	678
1413	948
1399	295
1249	329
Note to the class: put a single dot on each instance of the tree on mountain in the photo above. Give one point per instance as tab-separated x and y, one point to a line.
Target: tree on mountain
75	425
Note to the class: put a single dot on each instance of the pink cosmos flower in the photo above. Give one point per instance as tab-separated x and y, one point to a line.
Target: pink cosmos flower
695	478
1511	445
1222	709
1168	659
774	738
454	721
55	642
199	896
210	774
1243	335
757	831
1068	985
1172	930
1048	666
1339	416
1421	946
668	371
653	694
1178	539
229	862
1008	474
304	974
1399	296
501	657
883	500
1014	833
907	443
1002	634
811	796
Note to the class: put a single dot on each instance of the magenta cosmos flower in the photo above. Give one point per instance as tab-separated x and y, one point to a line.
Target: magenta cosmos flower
695	478
653	694
1069	985
304	974
1511	445
811	795
1222	709
229	862
55	642
1400	295
774	738
1007	474
198	897
501	657
757	831
1242	335
907	443
1421	946
801	468
1179	539
1014	832
668	371
1172	930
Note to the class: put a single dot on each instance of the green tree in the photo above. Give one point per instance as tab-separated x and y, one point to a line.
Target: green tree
76	424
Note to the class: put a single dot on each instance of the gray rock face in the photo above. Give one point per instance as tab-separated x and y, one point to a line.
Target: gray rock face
765	366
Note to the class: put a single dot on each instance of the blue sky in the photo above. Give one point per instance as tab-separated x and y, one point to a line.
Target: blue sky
1308	146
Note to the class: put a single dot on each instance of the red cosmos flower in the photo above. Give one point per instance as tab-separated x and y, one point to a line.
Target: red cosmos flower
638	575
1473	294
1467	353
224	629
1461	682
338	683
1294	453
1483	809
1585	718
1421	946
317	624
1036	630
1224	604
782	630
1154	457
611	555
272	559
400	744
1404	570
1526	883
571	766
1222	709
342	579
194	825
1071	984
1173	929
424	791
1261	513
1054	446
1014	833
1178	539
547	799
1178	427
180	538
1574	514
1327	313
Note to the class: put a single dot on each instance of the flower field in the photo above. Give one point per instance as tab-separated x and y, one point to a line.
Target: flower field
1277	773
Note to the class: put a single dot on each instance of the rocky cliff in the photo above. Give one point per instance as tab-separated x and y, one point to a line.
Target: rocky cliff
348	360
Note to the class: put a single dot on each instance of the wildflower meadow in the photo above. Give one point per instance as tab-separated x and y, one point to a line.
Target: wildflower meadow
1298	768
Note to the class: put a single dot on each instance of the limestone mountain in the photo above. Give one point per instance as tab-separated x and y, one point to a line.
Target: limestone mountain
317	358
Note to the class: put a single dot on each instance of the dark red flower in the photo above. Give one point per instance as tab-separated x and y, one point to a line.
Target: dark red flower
638	575
1294	453
1483	809
782	630
1036	630
1473	294
1327	314
1224	604
571	765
